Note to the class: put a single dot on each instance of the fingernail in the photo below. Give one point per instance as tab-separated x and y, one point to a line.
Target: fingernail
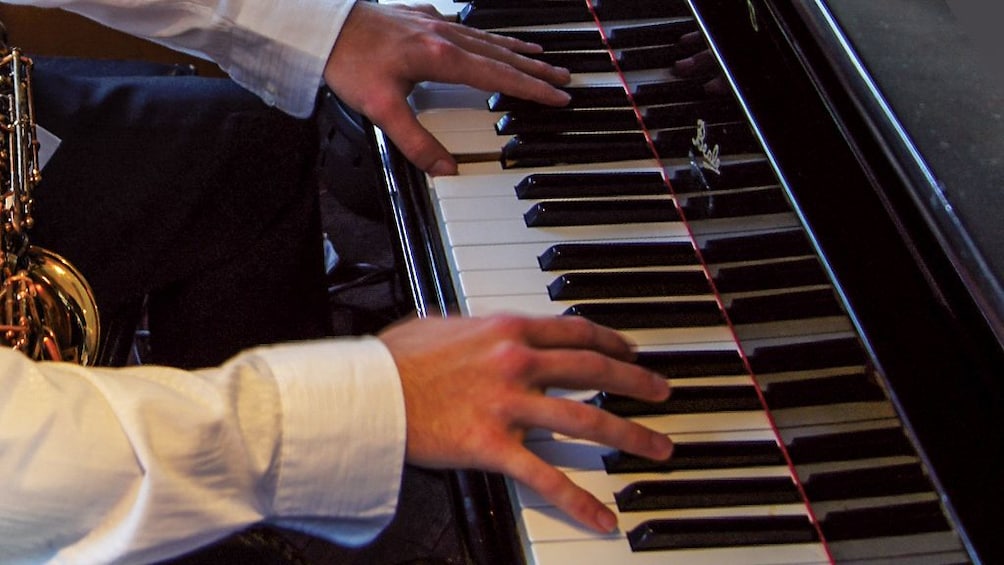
606	520
661	444
442	168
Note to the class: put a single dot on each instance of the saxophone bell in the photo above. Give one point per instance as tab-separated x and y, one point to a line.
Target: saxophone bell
47	309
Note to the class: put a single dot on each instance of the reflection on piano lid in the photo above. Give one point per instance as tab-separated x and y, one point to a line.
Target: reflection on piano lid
832	338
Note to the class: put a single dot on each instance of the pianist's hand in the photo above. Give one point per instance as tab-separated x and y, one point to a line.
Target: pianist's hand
383	51
473	386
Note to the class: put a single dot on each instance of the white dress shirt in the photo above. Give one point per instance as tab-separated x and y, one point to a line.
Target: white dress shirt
274	48
144	463
138	464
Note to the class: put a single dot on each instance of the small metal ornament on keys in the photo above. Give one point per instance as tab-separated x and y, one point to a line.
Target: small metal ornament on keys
47	309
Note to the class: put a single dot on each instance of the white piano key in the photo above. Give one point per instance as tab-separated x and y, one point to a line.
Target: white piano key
506	283
814	326
497	257
435	95
502	207
672	425
531	281
937	548
498	232
603	485
548	524
467	142
441	121
833	414
617	551
504	182
494	167
581	455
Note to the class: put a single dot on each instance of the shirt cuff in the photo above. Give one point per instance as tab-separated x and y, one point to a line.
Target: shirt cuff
343	442
279	50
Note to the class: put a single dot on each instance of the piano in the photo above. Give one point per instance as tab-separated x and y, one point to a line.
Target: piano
810	252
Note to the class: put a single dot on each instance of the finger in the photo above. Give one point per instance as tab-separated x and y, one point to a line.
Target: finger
699	63
512	54
510	43
449	59
583	421
577	332
399	123
555	487
583	370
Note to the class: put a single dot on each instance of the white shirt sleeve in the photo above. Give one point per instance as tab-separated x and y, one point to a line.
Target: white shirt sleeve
274	48
138	464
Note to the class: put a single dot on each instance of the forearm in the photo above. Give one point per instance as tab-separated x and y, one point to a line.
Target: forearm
146	463
275	49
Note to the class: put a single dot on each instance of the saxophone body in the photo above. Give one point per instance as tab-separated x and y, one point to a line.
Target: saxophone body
47	309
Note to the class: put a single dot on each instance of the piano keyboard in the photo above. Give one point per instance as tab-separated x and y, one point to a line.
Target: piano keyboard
570	212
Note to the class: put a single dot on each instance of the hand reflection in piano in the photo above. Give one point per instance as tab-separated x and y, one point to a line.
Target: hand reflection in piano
383	51
699	64
473	386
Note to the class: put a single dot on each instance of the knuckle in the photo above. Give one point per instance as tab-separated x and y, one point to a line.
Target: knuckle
585	418
434	45
506	325
583	328
513	360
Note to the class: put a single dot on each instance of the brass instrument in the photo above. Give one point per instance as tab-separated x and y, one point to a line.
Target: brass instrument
47	309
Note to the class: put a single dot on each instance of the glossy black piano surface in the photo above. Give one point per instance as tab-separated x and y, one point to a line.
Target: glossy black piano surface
875	127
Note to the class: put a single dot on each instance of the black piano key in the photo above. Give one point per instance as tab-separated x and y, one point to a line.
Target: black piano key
650	34
699	455
836	389
640	315
658	57
649	94
684	533
577	185
550	150
792	243
783	274
610	10
559	40
741	174
627	284
686	114
553	213
848	446
681	90
731	137
577	61
683	400
689	364
890	480
800	305
841	352
709	493
616	255
566	121
581	97
485	15
736	204
885	521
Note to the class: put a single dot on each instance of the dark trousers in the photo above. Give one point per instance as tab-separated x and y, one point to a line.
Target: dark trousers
186	192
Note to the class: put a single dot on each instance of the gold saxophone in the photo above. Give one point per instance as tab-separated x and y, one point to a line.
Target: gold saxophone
47	309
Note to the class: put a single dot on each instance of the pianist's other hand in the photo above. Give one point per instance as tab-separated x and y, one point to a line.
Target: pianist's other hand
472	387
383	51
